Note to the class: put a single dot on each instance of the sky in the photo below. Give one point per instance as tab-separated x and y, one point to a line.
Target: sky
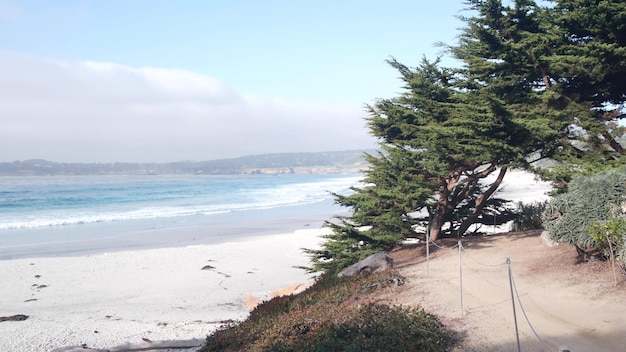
160	81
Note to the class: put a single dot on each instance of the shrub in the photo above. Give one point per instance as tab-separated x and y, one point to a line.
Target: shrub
528	216
377	327
610	238
577	216
334	315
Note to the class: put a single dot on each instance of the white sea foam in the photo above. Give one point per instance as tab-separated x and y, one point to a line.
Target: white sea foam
41	205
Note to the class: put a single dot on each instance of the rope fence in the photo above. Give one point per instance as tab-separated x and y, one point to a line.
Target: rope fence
519	302
479	262
428	242
442	247
515	296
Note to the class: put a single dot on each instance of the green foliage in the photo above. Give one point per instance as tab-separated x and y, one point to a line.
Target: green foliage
590	201
528	216
438	143
377	327
379	220
560	70
334	315
594	57
543	81
610	236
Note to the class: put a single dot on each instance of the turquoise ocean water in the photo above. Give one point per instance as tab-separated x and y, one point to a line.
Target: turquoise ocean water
61	215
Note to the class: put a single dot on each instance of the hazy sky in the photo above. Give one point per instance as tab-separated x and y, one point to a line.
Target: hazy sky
151	80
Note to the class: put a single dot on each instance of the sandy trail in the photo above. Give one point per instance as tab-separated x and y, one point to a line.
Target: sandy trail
567	304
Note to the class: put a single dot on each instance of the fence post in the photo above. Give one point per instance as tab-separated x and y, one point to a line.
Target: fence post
494	222
461	277
428	250
508	263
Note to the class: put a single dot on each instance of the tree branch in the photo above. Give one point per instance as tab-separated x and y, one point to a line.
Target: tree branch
612	142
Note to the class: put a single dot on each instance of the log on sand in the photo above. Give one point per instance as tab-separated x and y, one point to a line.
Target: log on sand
146	345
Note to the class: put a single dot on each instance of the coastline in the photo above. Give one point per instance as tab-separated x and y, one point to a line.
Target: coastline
162	284
177	293
114	237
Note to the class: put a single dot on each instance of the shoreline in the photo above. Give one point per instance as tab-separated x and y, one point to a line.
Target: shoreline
155	238
176	293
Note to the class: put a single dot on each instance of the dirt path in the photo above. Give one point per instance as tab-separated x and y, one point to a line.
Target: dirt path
567	304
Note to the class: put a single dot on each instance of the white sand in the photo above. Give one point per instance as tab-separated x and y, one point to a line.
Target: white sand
521	186
160	294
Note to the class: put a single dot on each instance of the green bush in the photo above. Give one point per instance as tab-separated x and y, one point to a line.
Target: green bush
578	216
528	216
609	236
377	327
334	315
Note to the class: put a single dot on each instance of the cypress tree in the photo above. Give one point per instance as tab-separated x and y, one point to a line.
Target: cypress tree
379	220
560	72
458	136
438	144
536	83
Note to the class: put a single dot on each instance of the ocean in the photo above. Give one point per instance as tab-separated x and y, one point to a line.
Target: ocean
67	215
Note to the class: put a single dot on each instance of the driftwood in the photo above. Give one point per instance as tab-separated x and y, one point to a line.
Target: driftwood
146	345
17	317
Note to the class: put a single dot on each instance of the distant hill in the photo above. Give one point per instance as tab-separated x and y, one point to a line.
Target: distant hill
280	163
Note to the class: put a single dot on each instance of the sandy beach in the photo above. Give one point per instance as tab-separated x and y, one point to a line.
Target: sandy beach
102	300
110	299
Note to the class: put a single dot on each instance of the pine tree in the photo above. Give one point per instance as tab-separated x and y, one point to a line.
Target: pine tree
439	143
560	72
459	137
379	220
536	82
593	57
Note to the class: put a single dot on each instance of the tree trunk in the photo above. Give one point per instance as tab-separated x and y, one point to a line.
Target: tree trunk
435	223
481	201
